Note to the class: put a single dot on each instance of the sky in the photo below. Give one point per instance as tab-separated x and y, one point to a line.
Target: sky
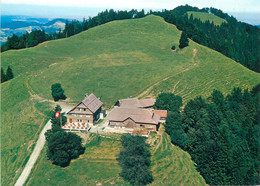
247	9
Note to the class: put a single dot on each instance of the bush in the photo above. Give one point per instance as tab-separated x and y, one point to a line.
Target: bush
57	92
173	47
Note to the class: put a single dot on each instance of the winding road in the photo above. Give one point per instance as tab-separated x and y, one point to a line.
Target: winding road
37	150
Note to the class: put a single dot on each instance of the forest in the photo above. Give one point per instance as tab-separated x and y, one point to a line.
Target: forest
234	39
221	133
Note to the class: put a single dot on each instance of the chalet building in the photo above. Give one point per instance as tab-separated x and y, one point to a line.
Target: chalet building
85	114
136	103
162	114
134	118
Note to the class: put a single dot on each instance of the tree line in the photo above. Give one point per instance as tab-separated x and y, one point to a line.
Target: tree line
234	39
8	75
221	133
26	40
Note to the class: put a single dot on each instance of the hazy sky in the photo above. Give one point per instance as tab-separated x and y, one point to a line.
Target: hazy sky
78	8
226	5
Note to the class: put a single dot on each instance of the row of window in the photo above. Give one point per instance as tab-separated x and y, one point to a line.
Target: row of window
79	115
81	109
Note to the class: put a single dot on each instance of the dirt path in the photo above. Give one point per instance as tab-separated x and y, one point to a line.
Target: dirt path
160	132
147	91
41	140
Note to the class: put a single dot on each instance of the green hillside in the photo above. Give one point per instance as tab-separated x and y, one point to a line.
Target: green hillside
22	119
207	17
114	61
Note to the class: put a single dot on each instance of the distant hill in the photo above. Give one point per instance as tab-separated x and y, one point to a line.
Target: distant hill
21	24
207	17
114	61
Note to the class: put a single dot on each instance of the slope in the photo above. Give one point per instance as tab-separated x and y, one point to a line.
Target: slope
22	119
170	164
207	17
116	60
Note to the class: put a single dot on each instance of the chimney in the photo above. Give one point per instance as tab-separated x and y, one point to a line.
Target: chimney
86	95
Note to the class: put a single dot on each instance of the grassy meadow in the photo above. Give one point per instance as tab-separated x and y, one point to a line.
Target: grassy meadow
121	59
21	123
203	16
114	61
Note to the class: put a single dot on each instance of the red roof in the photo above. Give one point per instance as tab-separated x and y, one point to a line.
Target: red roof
161	113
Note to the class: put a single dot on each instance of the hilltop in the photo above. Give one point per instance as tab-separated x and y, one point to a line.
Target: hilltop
114	61
203	16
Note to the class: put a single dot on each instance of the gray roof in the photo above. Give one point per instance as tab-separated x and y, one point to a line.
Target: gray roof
138	115
92	103
136	103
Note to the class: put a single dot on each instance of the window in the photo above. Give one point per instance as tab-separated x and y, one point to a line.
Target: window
79	109
84	109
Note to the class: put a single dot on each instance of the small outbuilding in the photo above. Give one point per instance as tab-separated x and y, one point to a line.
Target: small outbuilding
162	114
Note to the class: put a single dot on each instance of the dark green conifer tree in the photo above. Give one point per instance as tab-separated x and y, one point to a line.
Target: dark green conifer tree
9	73
183	40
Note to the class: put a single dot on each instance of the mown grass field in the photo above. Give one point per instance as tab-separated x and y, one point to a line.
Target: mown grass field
98	165
203	16
170	164
114	61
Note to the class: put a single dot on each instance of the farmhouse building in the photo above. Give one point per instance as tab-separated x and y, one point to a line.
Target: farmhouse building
135	118
136	103
85	114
